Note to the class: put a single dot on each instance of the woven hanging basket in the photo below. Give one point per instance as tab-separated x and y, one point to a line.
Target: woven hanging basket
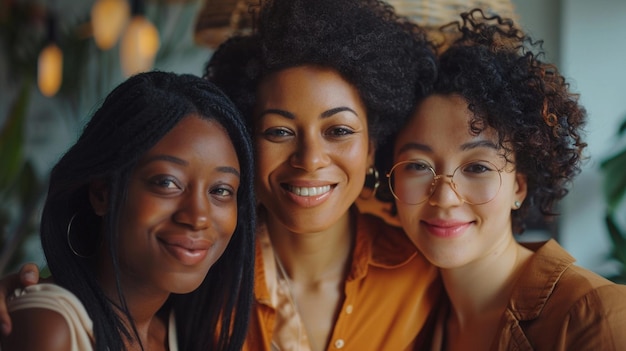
219	19
434	13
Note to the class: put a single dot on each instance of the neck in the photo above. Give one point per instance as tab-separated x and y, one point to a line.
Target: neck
143	304
313	256
482	289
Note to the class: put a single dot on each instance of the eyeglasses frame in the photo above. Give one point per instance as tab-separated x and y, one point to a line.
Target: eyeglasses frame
436	178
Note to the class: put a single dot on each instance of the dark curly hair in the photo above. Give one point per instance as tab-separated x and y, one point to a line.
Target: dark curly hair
498	70
386	57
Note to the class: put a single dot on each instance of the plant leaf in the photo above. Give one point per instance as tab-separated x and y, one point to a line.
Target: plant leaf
619	240
614	186
12	139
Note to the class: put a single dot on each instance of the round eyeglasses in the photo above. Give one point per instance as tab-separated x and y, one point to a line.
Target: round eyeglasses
475	182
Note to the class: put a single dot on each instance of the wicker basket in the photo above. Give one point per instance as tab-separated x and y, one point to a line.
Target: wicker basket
219	19
434	13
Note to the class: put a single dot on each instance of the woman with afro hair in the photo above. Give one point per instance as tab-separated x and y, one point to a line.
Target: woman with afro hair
499	134
321	82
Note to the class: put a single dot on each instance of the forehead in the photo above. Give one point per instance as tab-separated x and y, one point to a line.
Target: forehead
442	122
193	136
309	88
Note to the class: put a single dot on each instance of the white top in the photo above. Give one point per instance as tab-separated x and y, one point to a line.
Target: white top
64	302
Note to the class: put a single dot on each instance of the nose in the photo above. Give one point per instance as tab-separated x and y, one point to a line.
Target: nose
444	195
193	211
310	153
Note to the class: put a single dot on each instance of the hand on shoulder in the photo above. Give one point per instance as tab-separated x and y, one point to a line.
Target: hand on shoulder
28	275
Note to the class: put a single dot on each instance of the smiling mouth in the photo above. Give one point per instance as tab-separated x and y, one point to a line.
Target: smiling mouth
308	191
187	252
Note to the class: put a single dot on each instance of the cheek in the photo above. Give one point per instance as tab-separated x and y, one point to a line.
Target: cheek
495	212
225	221
409	218
268	157
355	158
143	212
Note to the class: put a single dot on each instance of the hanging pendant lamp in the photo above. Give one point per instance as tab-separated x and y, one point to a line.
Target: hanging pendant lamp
50	63
108	20
140	42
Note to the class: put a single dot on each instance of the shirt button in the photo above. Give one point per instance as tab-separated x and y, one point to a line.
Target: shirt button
349	309
339	343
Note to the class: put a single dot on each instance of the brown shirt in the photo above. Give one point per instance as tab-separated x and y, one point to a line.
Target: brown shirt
559	306
389	293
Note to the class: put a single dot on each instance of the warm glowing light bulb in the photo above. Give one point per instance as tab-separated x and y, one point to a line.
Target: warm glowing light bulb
50	70
108	19
139	46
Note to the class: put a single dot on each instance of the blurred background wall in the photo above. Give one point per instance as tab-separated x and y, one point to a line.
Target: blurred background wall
582	38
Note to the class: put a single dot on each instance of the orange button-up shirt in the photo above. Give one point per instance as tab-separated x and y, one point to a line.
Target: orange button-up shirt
389	293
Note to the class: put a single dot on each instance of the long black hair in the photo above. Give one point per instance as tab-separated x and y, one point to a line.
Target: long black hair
132	119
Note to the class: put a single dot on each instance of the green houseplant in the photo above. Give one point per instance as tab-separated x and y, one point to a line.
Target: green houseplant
614	187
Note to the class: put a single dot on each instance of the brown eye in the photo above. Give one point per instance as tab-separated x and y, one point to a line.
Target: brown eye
166	183
340	131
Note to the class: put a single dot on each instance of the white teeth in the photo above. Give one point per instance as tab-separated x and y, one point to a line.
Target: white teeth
309	191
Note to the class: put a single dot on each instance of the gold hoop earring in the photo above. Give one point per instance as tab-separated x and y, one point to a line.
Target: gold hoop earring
372	182
84	246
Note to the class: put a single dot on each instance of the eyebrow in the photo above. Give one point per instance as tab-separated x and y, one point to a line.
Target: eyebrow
231	170
464	147
325	114
179	161
166	158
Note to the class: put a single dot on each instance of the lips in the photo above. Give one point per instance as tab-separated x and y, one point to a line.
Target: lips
446	229
308	191
308	194
186	250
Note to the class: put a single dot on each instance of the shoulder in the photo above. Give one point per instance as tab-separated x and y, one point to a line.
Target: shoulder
383	237
551	285
592	291
591	304
573	308
52	315
597	320
378	230
38	329
583	284
388	247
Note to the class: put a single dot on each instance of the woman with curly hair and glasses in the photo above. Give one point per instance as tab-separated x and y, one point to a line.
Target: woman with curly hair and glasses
499	133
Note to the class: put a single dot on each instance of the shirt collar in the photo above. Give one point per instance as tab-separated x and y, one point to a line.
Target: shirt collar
377	244
539	278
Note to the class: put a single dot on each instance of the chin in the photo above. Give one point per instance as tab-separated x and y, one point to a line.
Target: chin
185	284
441	257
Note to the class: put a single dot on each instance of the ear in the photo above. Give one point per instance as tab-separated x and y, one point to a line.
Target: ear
99	197
371	153
521	188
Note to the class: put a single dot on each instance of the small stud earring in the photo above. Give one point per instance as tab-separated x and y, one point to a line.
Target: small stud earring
517	204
